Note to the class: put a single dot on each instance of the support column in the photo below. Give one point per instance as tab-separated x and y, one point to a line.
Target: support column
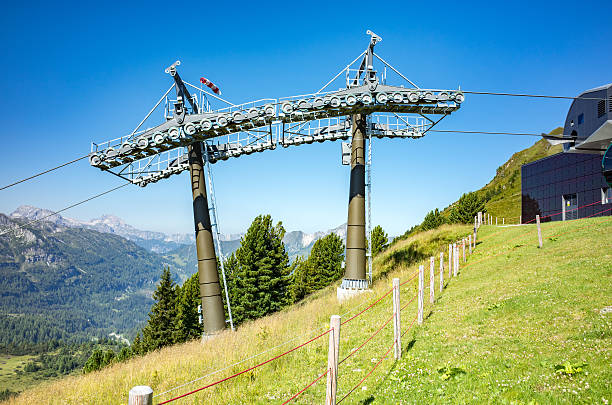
355	273
210	290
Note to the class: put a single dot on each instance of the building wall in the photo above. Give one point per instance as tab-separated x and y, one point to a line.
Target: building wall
545	182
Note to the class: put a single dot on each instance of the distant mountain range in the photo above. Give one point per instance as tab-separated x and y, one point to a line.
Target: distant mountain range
157	242
297	243
62	278
61	282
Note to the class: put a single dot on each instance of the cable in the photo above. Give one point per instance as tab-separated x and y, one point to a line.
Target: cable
246	370
490	93
368	307
375	333
412	277
305	388
494	133
45	172
64	209
235	364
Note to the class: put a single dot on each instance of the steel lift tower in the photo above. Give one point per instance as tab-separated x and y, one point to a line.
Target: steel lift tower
194	134
355	272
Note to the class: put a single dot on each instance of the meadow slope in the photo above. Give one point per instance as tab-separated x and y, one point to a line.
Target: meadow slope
500	327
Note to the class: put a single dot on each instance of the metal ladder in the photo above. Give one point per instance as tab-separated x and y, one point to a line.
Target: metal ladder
369	192
212	209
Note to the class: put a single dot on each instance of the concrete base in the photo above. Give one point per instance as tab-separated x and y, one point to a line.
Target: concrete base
343	294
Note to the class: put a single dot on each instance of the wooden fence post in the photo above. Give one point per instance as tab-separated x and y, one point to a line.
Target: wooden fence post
470	243
495	221
539	231
503	221
421	294
332	360
397	329
520	219
463	247
479	219
140	395
450	261
441	271
432	269
456	256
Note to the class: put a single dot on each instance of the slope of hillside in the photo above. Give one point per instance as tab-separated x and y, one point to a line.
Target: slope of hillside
504	189
495	334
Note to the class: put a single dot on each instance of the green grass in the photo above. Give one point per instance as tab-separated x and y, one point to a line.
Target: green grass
10	376
495	333
509	319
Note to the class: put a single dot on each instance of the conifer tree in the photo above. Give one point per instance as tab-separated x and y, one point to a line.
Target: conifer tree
260	281
325	260
323	267
300	286
432	220
231	266
380	240
136	346
188	299
467	208
161	329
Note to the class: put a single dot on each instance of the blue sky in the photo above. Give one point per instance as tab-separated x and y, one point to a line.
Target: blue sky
77	72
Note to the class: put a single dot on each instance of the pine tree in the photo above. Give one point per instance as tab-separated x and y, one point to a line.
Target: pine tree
301	280
325	260
259	284
94	362
136	346
323	267
188	324
432	220
467	208
161	329
380	240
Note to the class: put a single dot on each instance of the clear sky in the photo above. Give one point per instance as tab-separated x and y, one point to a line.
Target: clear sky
78	72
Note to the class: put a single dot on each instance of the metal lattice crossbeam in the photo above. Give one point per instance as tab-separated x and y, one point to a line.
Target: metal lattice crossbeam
150	155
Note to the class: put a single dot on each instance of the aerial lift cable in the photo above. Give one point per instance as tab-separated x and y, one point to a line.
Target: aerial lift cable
489	93
45	172
65	209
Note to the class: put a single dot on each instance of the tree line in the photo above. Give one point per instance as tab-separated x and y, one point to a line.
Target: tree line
260	281
461	212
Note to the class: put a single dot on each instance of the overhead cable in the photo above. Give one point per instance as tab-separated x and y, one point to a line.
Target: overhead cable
490	93
64	209
46	171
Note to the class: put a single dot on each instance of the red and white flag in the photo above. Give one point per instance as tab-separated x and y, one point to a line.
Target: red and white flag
210	84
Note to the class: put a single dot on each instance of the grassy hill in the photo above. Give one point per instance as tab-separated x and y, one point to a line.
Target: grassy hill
505	187
494	335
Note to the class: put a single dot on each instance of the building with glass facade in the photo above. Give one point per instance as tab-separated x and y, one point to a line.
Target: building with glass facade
564	186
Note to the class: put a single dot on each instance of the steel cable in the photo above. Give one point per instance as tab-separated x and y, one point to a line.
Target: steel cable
64	209
45	172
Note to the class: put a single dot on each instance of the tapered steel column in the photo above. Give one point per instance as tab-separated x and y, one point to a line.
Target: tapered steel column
210	290
355	231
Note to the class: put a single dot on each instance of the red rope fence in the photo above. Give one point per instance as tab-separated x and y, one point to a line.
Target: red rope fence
375	366
248	369
306	387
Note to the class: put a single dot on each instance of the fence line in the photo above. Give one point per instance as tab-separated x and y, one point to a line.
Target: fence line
306	387
250	357
248	369
453	262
